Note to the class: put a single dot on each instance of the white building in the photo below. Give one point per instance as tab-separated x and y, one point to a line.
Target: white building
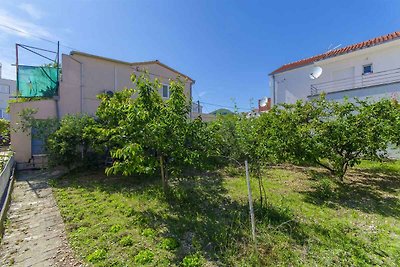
7	88
367	69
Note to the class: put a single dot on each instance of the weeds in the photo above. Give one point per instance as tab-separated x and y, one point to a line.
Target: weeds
309	220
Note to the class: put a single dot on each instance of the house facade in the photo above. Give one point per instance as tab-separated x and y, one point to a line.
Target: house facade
84	76
369	69
7	89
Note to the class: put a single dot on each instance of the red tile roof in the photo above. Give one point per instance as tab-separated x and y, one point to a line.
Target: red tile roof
339	51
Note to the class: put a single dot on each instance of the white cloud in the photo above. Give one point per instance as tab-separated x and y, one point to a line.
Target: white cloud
202	93
32	11
19	27
12	28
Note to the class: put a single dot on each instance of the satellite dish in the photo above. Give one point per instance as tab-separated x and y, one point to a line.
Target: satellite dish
263	101
315	73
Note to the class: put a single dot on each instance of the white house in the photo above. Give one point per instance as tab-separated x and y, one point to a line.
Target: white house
7	88
366	69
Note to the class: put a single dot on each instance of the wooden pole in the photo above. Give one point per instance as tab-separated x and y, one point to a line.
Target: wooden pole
253	223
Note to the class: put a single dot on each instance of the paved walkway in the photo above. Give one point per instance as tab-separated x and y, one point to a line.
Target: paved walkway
35	234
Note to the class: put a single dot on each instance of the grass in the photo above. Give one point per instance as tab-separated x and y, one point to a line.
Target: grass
310	219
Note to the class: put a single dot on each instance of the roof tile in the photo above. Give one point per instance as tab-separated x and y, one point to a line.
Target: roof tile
339	51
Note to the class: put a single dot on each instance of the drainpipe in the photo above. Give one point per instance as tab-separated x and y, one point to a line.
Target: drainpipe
81	83
273	90
191	102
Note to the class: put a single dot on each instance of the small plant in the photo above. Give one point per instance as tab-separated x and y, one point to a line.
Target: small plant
192	261
324	189
148	232
115	228
144	256
169	243
97	256
126	241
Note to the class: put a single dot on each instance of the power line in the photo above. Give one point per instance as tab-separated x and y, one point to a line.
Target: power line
222	106
35	35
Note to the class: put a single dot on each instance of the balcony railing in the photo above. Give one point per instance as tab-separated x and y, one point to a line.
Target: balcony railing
366	80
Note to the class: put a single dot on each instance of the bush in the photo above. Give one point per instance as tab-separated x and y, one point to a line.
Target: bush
325	189
144	256
169	243
192	261
70	144
126	241
97	256
4	132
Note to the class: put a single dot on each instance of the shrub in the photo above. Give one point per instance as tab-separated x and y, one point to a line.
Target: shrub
115	228
69	145
169	243
144	256
148	232
192	261
126	241
97	256
325	189
4	132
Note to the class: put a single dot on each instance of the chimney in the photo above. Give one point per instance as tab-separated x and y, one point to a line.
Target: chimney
266	107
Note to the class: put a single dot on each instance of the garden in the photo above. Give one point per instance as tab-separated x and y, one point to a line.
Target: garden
150	186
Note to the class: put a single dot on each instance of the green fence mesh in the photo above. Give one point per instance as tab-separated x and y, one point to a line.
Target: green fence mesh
37	81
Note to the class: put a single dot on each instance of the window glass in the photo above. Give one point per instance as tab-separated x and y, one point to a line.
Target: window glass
367	69
165	91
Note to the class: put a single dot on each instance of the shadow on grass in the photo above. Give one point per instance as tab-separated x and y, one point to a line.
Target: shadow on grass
370	190
199	214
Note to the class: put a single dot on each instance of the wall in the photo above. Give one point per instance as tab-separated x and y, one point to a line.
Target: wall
21	141
83	78
98	75
295	84
5	95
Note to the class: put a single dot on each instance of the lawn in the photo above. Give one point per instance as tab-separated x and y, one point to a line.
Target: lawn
309	220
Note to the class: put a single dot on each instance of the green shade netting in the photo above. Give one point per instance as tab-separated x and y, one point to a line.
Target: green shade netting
37	81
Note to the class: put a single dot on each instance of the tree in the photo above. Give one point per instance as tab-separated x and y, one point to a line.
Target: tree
4	132
146	133
334	135
69	145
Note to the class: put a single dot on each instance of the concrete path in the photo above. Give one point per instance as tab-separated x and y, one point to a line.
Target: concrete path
35	233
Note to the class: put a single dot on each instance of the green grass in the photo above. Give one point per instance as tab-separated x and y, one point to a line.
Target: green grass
308	218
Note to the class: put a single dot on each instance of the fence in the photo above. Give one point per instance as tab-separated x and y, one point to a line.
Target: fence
5	180
367	80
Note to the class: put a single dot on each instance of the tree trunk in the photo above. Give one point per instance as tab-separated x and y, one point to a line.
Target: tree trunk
163	176
344	170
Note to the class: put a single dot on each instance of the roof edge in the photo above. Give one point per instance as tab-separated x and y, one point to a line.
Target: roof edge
338	52
74	52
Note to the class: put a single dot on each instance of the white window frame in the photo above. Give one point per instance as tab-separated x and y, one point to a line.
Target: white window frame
162	91
366	65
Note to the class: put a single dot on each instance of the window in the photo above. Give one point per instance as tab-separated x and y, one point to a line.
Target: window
367	69
165	91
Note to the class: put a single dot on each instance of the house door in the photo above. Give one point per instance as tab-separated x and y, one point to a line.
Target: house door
37	143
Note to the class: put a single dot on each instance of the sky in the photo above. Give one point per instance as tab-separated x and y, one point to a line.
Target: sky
228	46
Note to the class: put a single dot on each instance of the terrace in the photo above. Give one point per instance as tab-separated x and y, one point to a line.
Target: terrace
357	82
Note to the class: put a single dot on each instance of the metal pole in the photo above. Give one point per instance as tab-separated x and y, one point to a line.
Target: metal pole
16	67
253	223
57	97
198	107
58	66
